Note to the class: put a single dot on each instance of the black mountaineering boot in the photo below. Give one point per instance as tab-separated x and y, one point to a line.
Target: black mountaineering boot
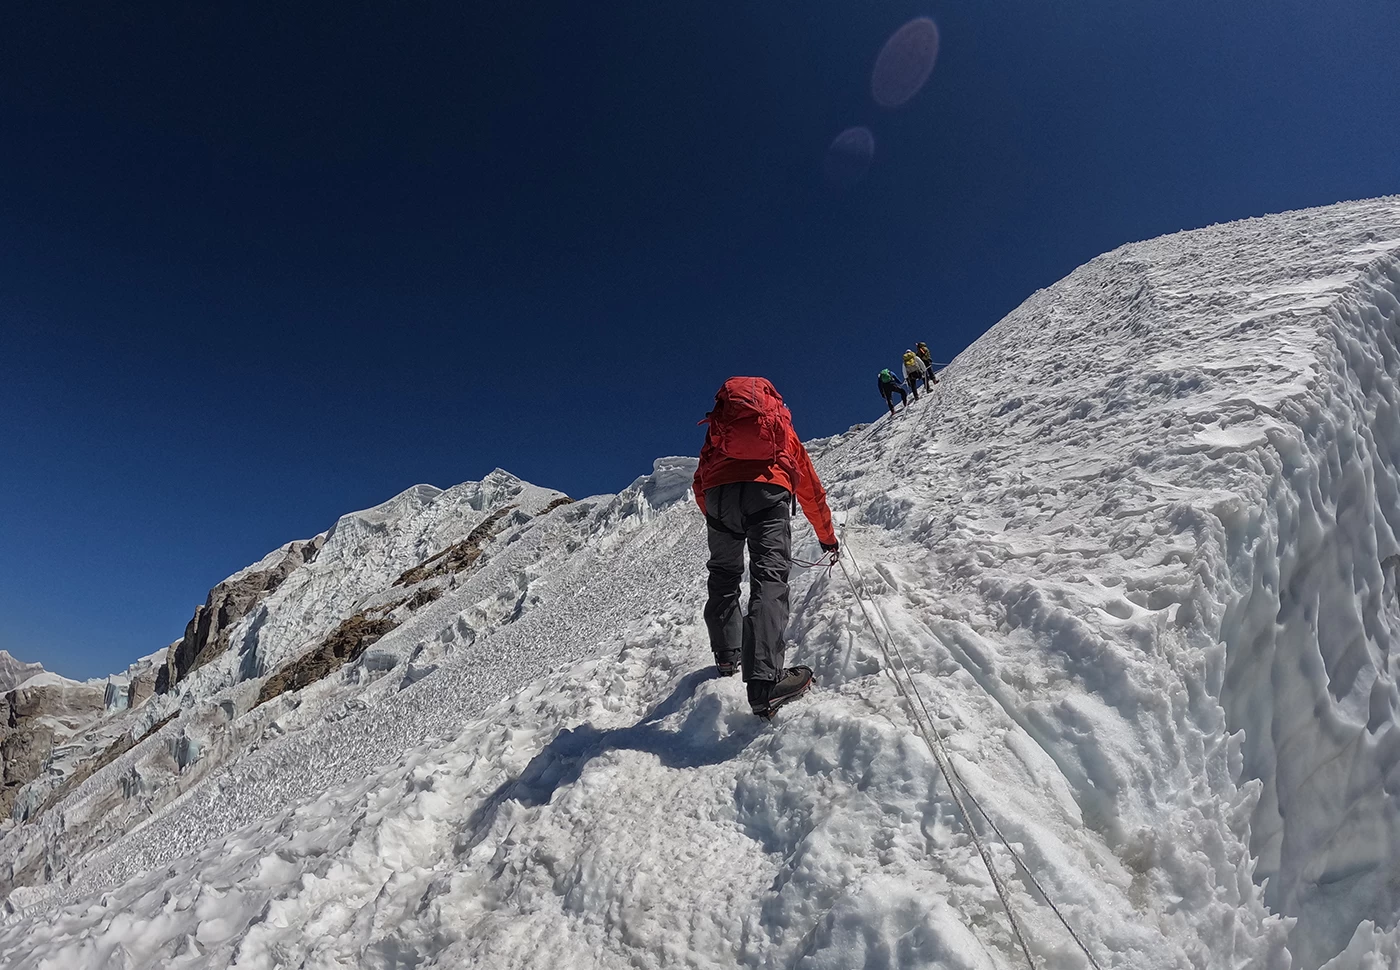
758	695
766	696
726	668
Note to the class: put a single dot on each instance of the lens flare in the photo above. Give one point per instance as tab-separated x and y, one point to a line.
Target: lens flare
904	63
848	158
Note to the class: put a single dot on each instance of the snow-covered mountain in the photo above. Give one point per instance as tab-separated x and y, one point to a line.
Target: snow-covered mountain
1139	550
14	672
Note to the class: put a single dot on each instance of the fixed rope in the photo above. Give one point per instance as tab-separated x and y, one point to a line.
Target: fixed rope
935	746
923	721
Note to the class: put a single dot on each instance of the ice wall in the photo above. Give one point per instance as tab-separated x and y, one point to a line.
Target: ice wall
1310	677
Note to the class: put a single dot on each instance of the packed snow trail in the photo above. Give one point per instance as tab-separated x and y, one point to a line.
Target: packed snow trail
1138	549
917	707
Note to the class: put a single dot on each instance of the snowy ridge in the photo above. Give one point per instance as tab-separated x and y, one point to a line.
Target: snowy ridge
365	551
46	678
1139	548
14	672
362	554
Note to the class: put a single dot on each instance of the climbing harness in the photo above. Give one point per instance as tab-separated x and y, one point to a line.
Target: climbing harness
923	721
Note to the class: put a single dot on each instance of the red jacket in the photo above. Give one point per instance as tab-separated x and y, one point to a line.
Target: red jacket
717	469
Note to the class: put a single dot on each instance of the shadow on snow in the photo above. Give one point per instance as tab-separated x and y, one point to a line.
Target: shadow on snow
560	763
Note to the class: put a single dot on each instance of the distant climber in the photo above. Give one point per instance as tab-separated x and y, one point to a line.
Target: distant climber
889	387
921	349
751	467
915	371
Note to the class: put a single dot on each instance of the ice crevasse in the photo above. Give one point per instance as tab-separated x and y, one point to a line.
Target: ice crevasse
1139	549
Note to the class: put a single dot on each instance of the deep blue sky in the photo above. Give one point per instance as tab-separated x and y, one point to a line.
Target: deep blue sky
261	265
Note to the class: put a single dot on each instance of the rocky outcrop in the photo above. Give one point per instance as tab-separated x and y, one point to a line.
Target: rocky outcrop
424	596
346	643
142	687
22	756
207	633
33	715
460	555
558	503
56	700
44	761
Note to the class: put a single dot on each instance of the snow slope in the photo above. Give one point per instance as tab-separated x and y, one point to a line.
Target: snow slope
1139	549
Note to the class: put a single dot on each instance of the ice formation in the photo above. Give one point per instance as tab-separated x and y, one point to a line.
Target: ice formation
1139	547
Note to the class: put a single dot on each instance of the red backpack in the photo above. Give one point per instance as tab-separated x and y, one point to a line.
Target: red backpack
750	421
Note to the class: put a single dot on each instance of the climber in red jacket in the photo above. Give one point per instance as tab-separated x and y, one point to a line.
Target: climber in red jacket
751	467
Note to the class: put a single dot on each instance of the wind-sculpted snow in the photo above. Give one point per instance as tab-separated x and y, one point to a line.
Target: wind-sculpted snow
1139	551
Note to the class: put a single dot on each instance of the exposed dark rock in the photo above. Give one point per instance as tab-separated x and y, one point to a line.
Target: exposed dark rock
424	596
68	702
349	641
24	753
30	717
343	645
207	633
460	555
142	687
22	757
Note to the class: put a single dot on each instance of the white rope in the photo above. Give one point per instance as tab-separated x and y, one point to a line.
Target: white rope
923	720
935	746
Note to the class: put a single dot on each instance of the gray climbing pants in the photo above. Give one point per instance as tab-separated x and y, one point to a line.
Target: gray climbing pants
760	514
